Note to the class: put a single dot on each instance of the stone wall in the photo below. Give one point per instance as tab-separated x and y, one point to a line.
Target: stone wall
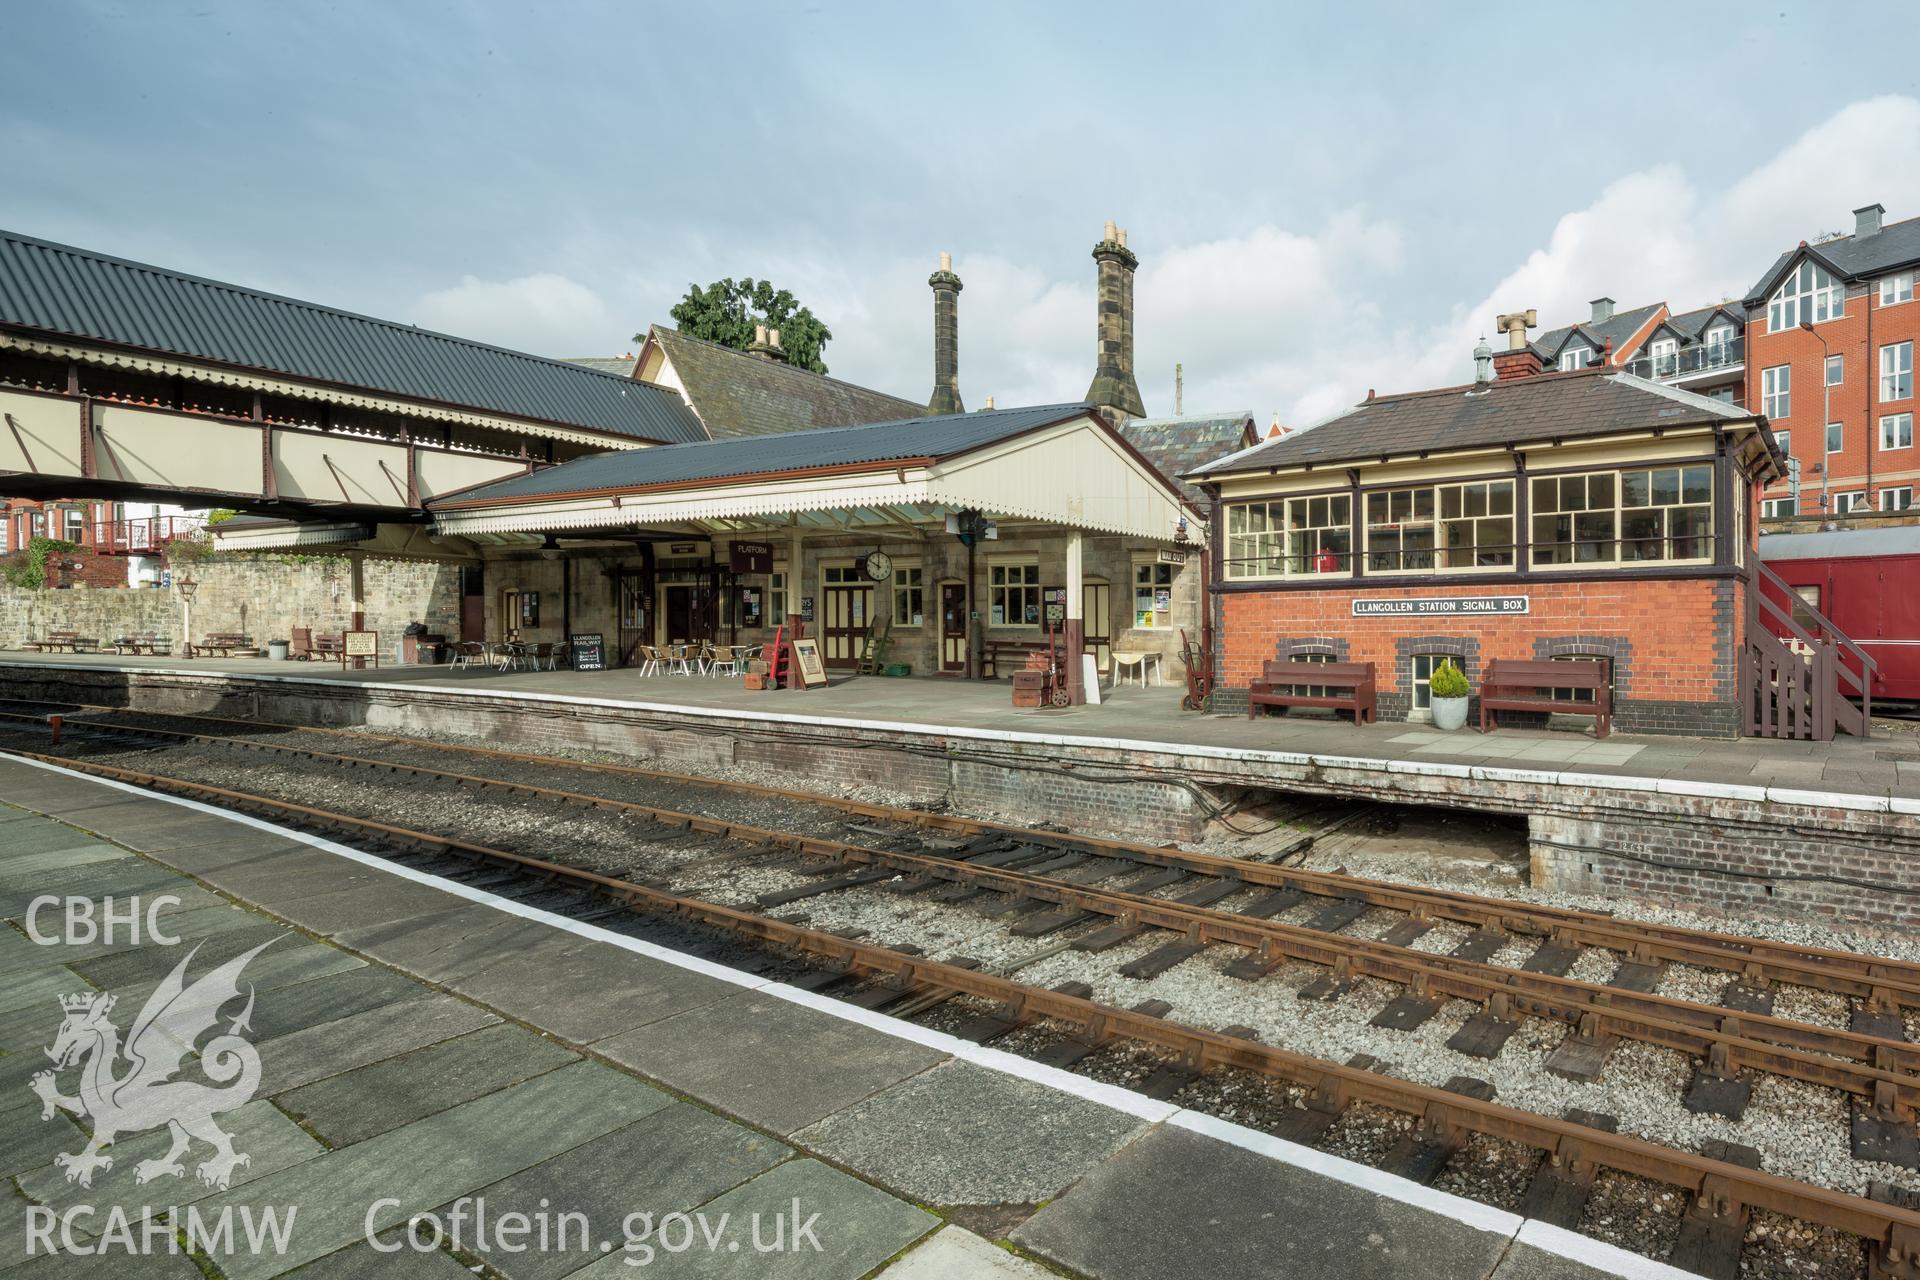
262	597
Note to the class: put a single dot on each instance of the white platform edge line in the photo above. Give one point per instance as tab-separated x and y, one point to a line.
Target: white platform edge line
1483	1217
1597	1254
1540	1235
1625	782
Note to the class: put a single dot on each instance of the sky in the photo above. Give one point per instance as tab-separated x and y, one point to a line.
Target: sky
1324	199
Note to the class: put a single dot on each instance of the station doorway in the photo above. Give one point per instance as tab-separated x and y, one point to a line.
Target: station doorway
847	608
953	627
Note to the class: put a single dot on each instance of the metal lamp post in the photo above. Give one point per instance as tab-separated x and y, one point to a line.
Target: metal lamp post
187	587
1826	412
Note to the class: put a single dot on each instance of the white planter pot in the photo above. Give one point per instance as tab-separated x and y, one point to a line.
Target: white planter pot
1449	713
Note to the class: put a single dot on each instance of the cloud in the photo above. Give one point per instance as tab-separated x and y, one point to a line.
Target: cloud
1298	321
544	312
1302	322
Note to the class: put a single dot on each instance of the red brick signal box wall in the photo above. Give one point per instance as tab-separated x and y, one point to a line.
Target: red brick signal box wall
1674	642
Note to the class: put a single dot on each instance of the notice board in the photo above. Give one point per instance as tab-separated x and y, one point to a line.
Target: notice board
807	664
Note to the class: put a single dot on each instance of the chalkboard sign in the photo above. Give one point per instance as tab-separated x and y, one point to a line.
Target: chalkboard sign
589	650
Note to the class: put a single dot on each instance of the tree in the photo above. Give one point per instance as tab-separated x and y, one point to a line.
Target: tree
726	311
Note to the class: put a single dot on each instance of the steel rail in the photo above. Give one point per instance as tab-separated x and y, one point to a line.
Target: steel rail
1721	1187
1885	982
1882	981
1865	1066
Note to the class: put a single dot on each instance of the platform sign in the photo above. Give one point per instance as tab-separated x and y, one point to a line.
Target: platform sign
1441	606
360	644
806	661
589	649
750	557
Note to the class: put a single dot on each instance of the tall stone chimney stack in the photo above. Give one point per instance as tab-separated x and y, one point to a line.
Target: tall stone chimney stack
1113	389
946	339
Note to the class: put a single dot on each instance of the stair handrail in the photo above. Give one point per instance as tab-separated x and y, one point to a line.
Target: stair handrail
1830	634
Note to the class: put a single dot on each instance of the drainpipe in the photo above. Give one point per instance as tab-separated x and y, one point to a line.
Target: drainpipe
1872	371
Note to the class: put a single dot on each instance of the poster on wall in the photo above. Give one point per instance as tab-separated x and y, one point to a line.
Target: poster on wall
806	660
1162	600
806	608
751	602
529	608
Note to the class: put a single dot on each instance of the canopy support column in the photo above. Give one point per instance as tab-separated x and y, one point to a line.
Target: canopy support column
1074	629
357	595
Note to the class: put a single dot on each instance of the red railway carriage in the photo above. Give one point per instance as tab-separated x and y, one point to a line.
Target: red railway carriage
1868	582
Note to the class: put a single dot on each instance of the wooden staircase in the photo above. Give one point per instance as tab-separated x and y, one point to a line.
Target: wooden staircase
1802	685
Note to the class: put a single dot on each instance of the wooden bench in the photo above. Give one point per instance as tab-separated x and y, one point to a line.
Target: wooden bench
63	642
1344	686
151	642
994	650
1512	685
229	644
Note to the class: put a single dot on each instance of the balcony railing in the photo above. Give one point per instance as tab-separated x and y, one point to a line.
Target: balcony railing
1693	360
143	535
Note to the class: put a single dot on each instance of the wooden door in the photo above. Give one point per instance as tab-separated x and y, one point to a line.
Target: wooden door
953	626
1096	613
473	603
676	613
844	624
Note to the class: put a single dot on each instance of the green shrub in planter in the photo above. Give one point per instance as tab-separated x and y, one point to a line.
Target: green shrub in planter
1447	682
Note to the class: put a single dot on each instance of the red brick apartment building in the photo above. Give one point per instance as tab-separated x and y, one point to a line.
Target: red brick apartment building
1831	336
1530	516
1701	351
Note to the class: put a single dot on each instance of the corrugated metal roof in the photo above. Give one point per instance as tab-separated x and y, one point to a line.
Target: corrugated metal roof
1590	402
740	394
1842	544
941	437
55	289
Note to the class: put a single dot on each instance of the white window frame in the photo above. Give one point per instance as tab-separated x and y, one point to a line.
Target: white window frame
1776	391
1575	358
909	576
1849	502
1786	442
1896	288
1279	549
1420	690
1896	371
1896	431
1151	574
1775	508
1668	350
1841	429
1896	497
1003	587
1619	512
777	593
1721	337
1836	362
1810	292
73	525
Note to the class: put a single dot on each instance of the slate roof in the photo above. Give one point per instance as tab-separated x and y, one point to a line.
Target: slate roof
1620	326
55	289
942	437
1176	446
1895	245
737	394
1691	325
1587	402
618	366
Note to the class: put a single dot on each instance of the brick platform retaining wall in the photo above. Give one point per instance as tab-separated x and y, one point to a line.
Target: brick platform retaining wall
1703	846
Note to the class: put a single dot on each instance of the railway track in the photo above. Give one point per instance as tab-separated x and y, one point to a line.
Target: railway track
1721	1192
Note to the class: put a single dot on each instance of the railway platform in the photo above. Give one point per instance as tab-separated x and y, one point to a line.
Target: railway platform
431	1054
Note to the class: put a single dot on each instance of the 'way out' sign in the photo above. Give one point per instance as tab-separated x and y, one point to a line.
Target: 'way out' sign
1441	606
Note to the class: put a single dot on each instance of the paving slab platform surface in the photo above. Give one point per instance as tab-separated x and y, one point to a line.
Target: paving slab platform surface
1150	717
533	1084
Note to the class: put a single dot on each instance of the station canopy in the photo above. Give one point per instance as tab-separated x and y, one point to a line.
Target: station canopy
1056	465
